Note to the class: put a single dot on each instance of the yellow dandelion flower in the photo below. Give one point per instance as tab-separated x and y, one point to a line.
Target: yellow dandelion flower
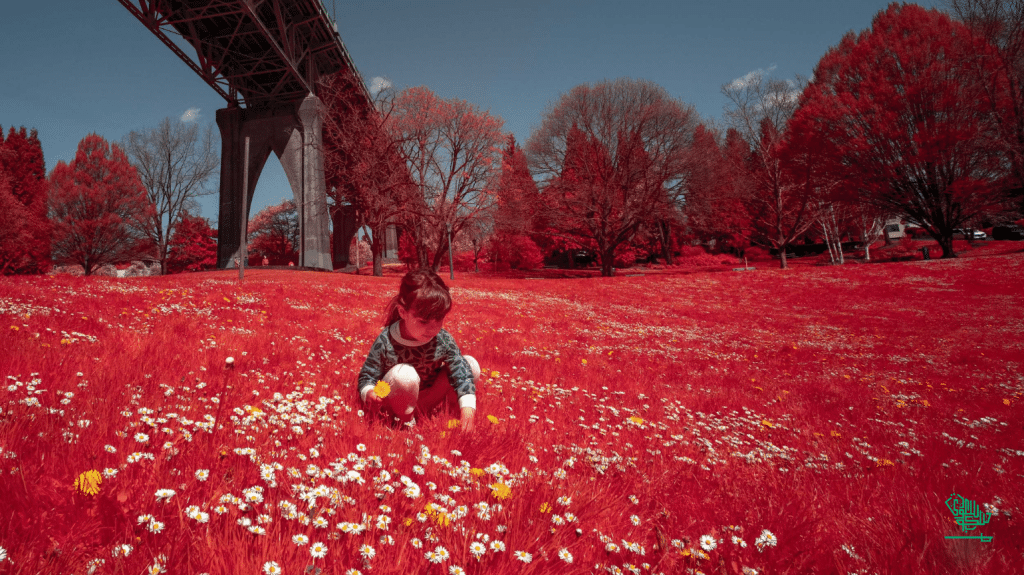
453	423
1005	402
767	423
883	462
382	389
492	419
545	508
493	373
89	482
637	420
477	471
501	491
836	434
584	362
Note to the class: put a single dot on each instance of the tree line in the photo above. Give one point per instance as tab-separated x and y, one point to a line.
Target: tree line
918	117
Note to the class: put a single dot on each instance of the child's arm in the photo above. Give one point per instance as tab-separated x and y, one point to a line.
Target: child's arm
461	379
371	370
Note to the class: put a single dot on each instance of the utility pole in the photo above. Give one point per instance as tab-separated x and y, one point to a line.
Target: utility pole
242	255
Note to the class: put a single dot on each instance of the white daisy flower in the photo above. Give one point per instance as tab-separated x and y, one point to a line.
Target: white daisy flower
164	494
123	550
271	568
367	552
564	555
708	543
202	474
523	556
318	550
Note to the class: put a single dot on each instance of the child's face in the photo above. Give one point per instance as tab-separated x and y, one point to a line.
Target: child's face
418	329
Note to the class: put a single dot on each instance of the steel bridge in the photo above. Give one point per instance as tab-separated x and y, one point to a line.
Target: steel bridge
265	58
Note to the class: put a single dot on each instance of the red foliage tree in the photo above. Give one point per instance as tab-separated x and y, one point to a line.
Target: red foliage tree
612	159
98	207
715	209
1002	24
16	238
516	192
902	112
363	163
193	247
25	228
451	150
274	233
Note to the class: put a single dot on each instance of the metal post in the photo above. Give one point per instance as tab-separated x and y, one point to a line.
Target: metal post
242	256
451	265
302	203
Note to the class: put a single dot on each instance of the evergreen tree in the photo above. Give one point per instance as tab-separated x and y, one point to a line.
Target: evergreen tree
21	162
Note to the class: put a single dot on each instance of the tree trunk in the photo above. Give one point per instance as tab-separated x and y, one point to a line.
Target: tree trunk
782	257
828	242
607	262
946	243
377	250
666	241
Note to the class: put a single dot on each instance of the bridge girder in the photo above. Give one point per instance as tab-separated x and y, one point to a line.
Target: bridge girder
254	53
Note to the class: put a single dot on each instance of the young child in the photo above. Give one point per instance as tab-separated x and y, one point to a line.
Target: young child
419	360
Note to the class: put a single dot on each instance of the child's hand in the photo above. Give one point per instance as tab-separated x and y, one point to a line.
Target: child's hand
373	403
467	419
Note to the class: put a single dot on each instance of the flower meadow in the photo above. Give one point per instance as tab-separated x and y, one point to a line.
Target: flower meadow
811	420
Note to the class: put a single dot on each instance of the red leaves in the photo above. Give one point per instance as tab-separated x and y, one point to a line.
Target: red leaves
906	112
193	247
273	233
98	207
24	229
611	156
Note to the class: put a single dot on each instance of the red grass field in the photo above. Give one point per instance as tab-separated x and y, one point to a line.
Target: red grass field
813	420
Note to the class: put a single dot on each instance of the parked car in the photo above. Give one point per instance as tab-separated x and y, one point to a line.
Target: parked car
970	234
1010	232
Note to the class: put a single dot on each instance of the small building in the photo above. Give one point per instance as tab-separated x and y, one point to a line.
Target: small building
894	229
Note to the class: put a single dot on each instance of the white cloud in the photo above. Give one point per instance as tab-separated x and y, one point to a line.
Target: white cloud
746	79
378	83
190	115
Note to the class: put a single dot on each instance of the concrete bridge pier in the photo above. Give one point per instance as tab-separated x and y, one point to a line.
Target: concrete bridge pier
294	133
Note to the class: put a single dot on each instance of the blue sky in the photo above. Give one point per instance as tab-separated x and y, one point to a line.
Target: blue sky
73	67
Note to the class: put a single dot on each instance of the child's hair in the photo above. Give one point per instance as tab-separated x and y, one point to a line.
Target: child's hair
424	294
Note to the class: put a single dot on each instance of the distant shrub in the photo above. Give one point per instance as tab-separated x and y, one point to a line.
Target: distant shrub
691	251
756	253
519	252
